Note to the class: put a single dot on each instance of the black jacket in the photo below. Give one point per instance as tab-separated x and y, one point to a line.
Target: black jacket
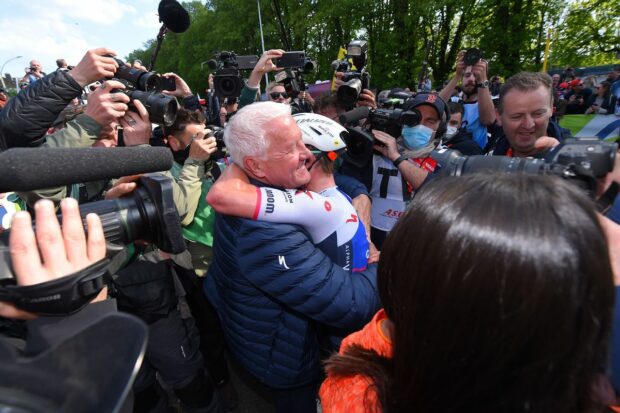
26	118
464	143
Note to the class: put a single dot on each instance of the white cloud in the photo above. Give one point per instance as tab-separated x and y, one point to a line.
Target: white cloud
149	21
106	12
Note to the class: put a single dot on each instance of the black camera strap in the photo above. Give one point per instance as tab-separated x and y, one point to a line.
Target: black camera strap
607	199
61	296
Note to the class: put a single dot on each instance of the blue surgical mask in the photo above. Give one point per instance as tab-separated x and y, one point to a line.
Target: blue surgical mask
417	137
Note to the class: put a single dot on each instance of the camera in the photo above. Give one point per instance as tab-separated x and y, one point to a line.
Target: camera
472	56
355	77
360	141
147	214
218	133
147	87
227	80
580	160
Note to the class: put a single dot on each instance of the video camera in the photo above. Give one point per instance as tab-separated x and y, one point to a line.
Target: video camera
147	87
356	79
227	80
580	160
360	141
147	214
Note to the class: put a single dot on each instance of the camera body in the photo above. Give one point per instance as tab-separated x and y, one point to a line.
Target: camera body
355	80
227	80
472	56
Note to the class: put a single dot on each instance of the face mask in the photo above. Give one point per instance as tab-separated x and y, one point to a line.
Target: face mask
417	137
451	131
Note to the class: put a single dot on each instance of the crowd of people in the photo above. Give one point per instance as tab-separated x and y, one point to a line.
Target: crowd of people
331	259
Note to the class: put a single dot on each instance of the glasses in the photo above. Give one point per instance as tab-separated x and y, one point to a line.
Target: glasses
276	95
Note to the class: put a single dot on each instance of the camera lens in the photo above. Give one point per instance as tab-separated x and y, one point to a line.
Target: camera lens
350	91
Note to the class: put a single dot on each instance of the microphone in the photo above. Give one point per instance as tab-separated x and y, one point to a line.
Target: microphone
354	115
173	16
27	169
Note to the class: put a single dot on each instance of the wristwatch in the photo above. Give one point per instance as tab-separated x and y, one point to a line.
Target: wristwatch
484	85
399	160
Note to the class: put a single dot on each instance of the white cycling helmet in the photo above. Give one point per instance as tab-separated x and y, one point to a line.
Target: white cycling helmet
322	133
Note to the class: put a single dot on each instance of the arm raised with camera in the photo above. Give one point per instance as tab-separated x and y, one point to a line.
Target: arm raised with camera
264	65
411	172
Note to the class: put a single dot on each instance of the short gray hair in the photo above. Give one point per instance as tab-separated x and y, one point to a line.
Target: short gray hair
246	134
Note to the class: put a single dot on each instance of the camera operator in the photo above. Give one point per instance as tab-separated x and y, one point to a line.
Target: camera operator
26	118
400	166
276	93
212	103
478	104
524	112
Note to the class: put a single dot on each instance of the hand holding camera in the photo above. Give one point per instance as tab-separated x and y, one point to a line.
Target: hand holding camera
106	107
202	148
55	252
96	64
136	125
177	88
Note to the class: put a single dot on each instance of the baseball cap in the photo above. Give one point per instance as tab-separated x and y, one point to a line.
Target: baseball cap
430	99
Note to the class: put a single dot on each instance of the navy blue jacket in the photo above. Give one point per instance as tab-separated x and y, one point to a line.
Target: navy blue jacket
272	288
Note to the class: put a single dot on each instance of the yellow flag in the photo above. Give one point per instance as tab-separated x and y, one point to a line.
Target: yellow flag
341	54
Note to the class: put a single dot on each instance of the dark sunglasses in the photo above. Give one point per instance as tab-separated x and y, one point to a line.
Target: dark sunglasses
276	95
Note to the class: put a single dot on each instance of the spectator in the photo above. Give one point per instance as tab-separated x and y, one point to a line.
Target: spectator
603	101
524	113
34	73
613	78
3	98
479	109
492	345
568	75
277	93
456	137
577	97
270	285
495	86
62	65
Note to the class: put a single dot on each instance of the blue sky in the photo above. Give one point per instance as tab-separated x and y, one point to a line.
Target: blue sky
50	29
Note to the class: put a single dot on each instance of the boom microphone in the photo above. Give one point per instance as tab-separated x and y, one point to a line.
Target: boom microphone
26	169
173	15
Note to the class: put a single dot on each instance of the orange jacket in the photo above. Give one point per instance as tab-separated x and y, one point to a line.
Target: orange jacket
355	394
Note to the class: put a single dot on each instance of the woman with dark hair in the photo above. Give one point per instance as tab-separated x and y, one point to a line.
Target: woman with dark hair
498	296
602	101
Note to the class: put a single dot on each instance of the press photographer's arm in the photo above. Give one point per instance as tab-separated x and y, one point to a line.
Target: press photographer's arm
53	252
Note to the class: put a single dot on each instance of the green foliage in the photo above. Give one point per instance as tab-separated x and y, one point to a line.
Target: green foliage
511	34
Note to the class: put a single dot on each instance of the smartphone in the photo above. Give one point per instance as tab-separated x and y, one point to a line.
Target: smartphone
292	60
168	83
246	62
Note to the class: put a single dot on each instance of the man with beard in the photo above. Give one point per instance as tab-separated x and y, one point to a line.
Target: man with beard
479	109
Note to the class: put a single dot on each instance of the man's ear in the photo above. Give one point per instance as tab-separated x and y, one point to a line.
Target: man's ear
173	143
254	167
498	118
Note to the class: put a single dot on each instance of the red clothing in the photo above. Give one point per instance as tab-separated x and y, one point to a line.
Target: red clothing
355	394
3	103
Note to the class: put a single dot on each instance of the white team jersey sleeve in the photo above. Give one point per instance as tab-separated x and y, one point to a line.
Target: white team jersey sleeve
319	215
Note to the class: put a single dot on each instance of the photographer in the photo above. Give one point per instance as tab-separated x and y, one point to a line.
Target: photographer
478	104
264	65
457	137
578	97
26	118
34	73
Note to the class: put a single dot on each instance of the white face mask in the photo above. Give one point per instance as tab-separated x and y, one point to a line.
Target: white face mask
451	131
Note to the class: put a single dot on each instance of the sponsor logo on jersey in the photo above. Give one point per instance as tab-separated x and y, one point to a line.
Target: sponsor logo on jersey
352	219
270	206
328	206
282	261
392	213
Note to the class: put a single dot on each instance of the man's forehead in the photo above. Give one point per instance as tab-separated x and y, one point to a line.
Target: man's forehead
526	97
